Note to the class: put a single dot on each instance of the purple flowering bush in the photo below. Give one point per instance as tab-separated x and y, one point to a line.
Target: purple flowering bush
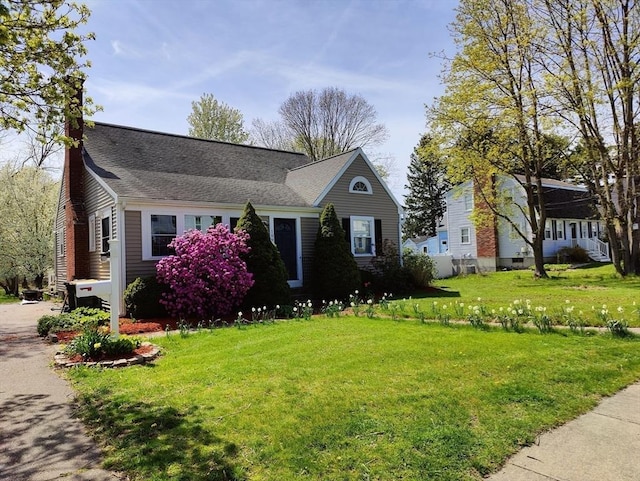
206	275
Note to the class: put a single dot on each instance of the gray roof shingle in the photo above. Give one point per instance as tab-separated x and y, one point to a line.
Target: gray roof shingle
149	165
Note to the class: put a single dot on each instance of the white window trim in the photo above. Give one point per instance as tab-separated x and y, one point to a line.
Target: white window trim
372	223
146	230
469	235
61	240
105	214
468	196
92	233
357	179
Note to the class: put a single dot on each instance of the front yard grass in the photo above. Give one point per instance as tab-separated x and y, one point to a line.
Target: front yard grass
586	289
346	398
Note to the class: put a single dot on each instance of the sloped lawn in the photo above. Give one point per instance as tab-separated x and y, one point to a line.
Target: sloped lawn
345	399
584	290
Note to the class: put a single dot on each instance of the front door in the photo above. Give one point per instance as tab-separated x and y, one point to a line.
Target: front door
574	234
286	239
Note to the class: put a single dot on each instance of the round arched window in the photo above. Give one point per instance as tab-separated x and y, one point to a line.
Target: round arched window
360	185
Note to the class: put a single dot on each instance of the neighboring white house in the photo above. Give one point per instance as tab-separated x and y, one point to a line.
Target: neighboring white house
432	246
572	220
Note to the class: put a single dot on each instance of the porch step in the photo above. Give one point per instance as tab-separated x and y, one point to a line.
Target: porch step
598	257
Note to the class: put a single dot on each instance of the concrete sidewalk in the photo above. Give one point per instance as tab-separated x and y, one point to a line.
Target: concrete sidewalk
602	445
39	437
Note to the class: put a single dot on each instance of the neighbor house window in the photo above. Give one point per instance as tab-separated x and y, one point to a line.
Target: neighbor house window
465	235
547	230
360	185
201	222
163	231
558	229
362	236
468	202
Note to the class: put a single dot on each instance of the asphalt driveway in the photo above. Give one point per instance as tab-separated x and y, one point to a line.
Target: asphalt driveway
39	437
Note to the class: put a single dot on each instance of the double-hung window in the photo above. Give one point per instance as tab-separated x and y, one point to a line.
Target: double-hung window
362	236
468	202
201	222
465	235
105	234
163	231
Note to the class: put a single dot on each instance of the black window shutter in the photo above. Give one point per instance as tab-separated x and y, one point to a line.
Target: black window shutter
346	226
378	228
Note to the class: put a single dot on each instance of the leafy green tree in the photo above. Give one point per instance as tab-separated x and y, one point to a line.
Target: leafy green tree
335	272
27	207
494	85
263	260
213	120
40	56
427	184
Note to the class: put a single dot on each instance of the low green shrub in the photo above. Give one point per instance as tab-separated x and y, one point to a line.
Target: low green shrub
389	275
46	323
79	319
142	298
420	268
122	345
573	254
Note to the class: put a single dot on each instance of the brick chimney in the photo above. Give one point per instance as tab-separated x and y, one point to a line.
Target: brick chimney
486	234
76	221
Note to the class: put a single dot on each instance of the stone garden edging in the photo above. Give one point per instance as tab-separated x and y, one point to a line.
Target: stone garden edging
62	360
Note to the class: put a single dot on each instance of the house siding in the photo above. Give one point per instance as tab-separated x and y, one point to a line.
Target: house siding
136	267
60	262
459	217
99	200
379	205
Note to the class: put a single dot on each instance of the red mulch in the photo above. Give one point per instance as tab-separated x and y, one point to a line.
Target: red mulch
127	326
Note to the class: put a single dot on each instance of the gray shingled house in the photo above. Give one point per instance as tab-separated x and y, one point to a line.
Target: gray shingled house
145	187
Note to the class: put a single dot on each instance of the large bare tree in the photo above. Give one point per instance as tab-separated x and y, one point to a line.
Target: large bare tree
591	58
323	123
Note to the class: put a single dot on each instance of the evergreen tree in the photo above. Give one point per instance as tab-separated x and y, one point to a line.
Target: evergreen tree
264	262
335	272
427	183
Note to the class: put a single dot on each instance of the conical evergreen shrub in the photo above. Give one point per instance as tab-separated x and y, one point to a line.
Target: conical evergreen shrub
335	272
270	275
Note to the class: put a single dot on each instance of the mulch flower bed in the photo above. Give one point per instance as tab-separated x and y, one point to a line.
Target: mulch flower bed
144	353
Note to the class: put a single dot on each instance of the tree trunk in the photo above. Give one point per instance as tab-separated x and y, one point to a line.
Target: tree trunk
11	285
39	281
538	258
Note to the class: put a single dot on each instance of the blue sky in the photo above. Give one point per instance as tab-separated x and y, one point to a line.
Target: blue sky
152	58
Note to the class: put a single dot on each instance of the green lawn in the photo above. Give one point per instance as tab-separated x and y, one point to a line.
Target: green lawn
5	299
346	398
586	291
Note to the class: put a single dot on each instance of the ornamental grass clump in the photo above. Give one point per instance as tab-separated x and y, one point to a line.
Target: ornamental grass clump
206	276
94	344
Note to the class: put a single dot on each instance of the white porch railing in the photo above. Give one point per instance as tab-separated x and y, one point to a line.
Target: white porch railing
597	249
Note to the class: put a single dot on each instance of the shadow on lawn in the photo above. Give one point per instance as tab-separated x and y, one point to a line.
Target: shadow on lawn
434	292
157	442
